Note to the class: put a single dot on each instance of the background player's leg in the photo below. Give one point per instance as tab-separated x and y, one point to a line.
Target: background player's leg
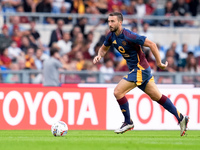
152	90
121	89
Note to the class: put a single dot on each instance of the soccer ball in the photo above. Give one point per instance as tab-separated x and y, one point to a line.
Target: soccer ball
59	128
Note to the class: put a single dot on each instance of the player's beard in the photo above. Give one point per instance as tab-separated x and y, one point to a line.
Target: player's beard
113	29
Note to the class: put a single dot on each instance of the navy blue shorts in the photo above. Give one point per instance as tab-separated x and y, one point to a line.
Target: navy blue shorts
140	76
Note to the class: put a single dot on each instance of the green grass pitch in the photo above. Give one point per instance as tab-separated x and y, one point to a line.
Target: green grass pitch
98	140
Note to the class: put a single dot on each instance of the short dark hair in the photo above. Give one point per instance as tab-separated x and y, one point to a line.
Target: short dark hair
118	14
53	51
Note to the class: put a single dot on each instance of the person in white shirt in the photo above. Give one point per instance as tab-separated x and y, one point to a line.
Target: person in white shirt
107	68
145	31
65	44
141	8
14	51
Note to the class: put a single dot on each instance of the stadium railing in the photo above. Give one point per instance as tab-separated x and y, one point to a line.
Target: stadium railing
35	76
74	17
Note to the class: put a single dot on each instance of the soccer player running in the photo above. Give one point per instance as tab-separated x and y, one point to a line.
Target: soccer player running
129	45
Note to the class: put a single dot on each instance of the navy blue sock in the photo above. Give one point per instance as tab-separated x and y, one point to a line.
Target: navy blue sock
167	104
123	103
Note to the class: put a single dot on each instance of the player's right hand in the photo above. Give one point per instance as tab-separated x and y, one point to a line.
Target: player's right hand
163	66
96	59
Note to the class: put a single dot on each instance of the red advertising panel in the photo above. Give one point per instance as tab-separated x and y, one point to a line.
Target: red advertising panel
39	108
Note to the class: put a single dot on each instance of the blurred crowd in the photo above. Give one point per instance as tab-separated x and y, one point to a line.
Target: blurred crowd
139	8
22	49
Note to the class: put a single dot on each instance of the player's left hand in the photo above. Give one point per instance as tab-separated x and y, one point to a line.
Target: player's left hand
163	66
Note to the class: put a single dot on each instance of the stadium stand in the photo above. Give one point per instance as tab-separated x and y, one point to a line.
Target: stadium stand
29	28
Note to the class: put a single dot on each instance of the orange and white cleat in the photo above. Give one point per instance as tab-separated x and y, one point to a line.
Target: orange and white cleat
183	125
125	127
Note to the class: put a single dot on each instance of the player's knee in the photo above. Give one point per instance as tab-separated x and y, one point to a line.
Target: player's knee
154	97
117	93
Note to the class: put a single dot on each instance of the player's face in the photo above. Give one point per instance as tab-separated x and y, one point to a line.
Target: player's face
113	23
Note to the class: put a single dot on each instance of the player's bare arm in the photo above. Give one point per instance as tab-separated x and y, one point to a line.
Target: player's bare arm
155	51
101	53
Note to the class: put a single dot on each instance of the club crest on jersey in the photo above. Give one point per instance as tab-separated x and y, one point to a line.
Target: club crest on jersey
124	43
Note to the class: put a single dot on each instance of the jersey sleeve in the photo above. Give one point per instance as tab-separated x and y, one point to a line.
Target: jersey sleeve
108	40
136	38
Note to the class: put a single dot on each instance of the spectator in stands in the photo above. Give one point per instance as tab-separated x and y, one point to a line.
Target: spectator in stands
51	67
191	67
80	60
5	39
82	22
74	50
131	10
166	11
170	68
145	31
80	41
45	6
34	33
193	7
162	54
26	43
10	5
90	77
63	10
17	36
171	64
23	19
134	29
38	60
93	20
141	8
180	8
30	5
61	4
150	7
13	77
121	66
89	4
82	45
172	52
57	34
102	6
151	60
74	32
182	57
107	68
114	5
65	61
21	61
5	60
78	7
30	62
91	43
73	77
15	23
14	52
65	44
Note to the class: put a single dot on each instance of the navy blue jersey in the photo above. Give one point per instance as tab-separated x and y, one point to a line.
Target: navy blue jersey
129	45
